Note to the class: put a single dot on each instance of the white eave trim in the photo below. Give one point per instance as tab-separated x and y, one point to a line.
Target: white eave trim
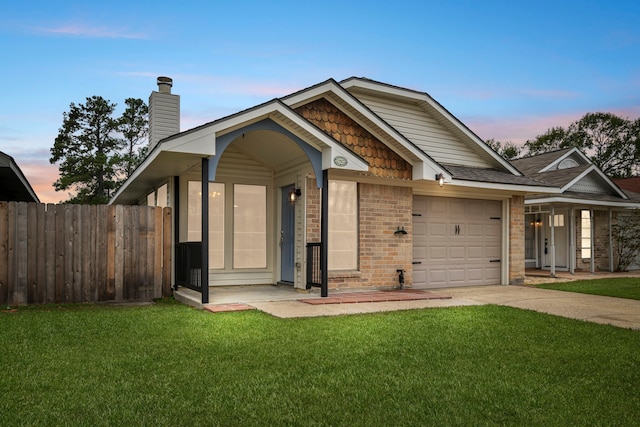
566	200
531	189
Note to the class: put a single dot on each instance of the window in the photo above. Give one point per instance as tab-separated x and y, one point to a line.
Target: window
530	237
249	226
585	233
343	225
558	220
158	197
216	220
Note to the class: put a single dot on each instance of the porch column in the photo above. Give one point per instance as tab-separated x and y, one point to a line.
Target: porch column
572	240
552	249
610	240
204	272
324	235
593	237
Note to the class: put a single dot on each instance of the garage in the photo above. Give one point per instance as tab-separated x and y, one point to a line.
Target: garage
456	242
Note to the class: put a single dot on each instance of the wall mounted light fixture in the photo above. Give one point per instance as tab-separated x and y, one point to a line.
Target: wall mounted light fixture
400	230
440	179
294	194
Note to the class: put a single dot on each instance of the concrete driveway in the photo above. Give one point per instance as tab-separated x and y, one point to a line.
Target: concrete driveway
620	312
607	310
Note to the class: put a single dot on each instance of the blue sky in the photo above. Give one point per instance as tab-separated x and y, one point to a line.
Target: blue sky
509	70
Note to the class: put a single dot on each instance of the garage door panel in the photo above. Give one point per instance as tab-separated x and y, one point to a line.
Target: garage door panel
437	253
457	252
438	276
455	240
492	252
475	252
458	275
493	273
438	229
475	230
493	230
420	252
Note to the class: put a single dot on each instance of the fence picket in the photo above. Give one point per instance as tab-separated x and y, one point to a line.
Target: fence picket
4	250
73	253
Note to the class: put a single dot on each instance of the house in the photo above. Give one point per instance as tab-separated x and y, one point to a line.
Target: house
342	184
14	187
572	230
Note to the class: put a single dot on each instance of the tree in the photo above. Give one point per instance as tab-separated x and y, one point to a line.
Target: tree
551	140
90	148
507	150
626	238
611	142
134	126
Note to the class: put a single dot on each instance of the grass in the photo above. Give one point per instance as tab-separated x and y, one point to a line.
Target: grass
172	365
623	287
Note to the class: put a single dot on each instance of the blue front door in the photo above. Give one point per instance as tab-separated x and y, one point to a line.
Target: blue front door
287	236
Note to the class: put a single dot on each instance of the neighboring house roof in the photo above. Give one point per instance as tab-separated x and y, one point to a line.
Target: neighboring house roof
492	175
629	184
579	180
14	186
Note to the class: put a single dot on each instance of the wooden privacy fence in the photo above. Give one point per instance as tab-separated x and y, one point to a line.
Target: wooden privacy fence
83	253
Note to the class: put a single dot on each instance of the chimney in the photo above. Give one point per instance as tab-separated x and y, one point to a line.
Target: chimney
164	112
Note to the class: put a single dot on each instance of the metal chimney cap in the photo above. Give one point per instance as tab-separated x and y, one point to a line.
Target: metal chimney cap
165	84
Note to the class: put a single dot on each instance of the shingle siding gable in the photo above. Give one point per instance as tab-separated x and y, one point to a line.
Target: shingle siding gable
383	161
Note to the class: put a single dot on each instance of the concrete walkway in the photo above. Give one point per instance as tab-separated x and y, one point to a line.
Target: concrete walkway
287	303
607	310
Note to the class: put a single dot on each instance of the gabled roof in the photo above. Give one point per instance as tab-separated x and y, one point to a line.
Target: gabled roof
14	186
575	175
177	153
547	161
424	165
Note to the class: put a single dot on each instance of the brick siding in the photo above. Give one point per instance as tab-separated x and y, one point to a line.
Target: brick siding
516	241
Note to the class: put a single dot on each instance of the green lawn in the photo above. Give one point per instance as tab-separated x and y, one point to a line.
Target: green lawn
623	287
172	365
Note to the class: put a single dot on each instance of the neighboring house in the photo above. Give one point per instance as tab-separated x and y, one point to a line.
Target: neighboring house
343	184
14	187
571	231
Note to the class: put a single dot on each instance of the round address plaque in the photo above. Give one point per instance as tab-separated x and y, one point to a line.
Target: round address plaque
340	161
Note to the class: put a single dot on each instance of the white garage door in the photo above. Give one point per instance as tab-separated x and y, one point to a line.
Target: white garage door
456	242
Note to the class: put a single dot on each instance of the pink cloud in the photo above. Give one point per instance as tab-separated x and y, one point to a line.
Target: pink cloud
520	129
41	177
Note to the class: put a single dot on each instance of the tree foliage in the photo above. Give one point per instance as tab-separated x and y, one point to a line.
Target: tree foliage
626	239
95	152
507	150
611	142
134	126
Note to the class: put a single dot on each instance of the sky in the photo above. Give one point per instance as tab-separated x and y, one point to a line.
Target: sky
508	70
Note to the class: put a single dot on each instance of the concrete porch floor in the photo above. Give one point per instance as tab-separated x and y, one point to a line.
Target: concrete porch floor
244	294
